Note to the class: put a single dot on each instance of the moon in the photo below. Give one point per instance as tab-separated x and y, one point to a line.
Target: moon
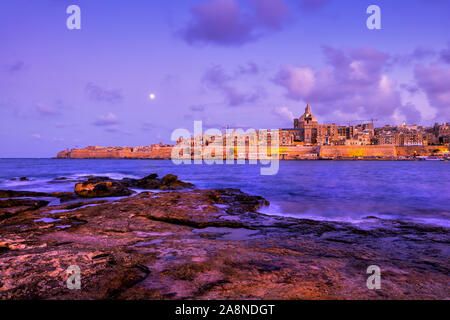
152	96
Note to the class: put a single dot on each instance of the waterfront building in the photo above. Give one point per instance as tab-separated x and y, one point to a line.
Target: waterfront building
308	131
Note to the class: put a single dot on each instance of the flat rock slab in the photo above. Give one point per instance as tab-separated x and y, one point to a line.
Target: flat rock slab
213	244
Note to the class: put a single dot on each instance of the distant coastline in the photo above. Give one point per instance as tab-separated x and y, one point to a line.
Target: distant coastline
353	152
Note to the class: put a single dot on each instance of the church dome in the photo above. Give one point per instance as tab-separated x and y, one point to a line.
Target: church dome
307	116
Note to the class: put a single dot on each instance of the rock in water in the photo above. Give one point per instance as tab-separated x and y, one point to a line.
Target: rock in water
171	182
149	182
95	188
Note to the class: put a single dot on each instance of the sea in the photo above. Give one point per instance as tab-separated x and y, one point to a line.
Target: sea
347	191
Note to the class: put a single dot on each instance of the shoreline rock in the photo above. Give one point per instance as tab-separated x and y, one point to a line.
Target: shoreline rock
100	188
168	182
213	244
11	207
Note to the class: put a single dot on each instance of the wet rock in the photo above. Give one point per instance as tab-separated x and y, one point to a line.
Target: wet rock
168	182
65	196
99	188
149	182
63	180
77	205
60	179
22	202
20	179
12	194
171	182
12	207
213	244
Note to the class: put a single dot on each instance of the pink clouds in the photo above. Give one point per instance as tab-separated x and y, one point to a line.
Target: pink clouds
226	22
434	80
352	82
298	81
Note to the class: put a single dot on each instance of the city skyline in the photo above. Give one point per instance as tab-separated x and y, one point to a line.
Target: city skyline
134	73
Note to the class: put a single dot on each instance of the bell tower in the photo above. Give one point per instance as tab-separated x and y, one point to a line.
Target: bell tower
308	126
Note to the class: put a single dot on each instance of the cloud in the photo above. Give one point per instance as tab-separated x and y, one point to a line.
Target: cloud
313	5
216	78
15	66
97	93
445	54
251	68
434	80
228	23
107	120
419	54
353	83
219	22
271	13
284	113
65	125
170	80
410	113
47	110
115	129
36	136
411	89
299	81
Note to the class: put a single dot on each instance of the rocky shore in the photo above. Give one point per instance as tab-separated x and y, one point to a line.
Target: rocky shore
183	243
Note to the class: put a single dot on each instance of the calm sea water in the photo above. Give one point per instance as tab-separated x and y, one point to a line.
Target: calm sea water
322	190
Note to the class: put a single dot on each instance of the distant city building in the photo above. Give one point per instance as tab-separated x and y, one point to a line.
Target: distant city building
306	140
308	131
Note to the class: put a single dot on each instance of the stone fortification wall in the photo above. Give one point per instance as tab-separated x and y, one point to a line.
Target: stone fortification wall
382	151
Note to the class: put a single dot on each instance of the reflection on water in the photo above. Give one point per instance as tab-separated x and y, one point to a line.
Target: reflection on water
330	190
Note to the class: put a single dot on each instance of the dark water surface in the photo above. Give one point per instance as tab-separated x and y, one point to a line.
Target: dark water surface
324	190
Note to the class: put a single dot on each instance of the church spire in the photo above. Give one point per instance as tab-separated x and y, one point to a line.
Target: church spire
307	109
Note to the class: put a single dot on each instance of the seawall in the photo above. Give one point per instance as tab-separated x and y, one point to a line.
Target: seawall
126	153
412	151
299	152
384	151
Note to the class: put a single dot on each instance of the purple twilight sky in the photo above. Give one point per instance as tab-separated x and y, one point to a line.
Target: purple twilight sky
242	63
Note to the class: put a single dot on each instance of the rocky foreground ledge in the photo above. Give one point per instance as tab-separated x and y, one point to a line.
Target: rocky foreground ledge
209	244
